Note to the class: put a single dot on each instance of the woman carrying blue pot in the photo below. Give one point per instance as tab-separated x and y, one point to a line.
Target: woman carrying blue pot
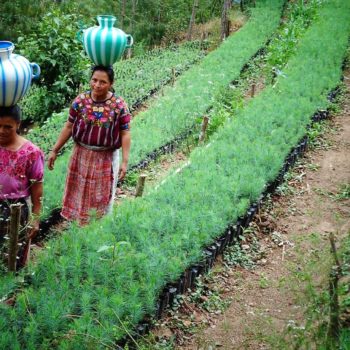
21	176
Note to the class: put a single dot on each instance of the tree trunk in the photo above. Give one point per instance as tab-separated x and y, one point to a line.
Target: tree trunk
193	19
225	30
133	12
123	14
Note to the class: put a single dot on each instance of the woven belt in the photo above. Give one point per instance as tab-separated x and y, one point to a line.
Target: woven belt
94	148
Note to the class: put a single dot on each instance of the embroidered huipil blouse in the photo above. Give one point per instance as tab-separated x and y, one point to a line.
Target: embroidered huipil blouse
99	123
19	170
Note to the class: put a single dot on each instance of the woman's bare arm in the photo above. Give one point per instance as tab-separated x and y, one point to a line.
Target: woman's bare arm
126	143
64	136
36	194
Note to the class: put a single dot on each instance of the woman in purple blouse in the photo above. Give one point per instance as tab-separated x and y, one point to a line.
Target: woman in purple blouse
21	175
98	122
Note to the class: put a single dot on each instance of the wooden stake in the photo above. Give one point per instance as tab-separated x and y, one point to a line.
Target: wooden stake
253	90
203	36
204	128
335	274
14	231
334	250
173	76
140	185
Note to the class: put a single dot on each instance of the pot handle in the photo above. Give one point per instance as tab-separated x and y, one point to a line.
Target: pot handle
35	70
129	41
79	35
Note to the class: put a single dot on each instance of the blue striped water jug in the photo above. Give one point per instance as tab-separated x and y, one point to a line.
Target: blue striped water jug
16	74
105	44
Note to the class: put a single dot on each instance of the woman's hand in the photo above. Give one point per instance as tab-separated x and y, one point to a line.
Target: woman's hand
36	195
122	171
34	229
126	142
63	137
51	160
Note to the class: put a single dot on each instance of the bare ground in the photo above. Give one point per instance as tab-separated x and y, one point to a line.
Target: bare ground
291	232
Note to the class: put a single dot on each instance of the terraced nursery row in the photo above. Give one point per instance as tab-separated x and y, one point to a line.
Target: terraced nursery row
94	284
136	80
175	113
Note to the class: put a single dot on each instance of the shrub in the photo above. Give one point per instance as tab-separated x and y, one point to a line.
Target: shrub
53	45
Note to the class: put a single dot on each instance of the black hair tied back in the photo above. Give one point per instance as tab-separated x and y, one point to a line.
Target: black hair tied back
107	69
13	112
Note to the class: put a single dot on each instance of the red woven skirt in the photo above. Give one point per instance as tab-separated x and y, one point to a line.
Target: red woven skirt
89	184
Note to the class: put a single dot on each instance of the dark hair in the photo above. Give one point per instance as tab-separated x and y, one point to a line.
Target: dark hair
13	111
107	69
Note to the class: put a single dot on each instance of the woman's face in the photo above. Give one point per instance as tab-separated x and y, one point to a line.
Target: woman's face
100	84
8	130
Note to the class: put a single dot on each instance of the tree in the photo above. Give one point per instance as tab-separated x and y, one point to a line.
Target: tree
225	25
192	21
123	13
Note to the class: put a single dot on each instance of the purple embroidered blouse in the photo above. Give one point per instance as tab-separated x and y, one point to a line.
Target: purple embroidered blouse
99	123
19	169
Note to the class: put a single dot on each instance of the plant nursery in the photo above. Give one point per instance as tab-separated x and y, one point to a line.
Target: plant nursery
95	286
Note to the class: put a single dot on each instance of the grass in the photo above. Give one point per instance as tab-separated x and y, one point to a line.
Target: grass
310	287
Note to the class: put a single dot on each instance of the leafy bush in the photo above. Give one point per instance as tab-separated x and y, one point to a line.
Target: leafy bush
301	15
36	104
54	47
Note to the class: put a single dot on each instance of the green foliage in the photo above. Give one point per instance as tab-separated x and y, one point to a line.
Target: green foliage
36	104
180	111
315	332
191	96
268	65
53	46
138	77
46	136
283	45
343	193
18	17
77	300
212	301
149	22
236	256
316	135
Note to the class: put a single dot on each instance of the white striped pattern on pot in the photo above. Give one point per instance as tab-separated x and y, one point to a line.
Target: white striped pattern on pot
16	74
105	44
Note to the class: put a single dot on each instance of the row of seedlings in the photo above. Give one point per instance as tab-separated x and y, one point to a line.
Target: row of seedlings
231	236
150	241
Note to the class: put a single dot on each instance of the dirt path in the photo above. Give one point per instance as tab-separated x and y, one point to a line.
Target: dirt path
266	300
